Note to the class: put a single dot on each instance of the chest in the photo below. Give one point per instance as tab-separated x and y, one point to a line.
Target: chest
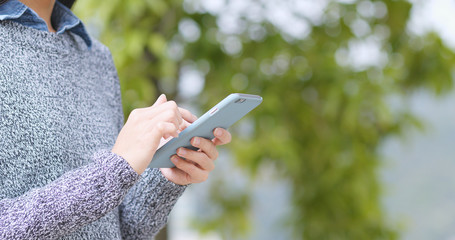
56	110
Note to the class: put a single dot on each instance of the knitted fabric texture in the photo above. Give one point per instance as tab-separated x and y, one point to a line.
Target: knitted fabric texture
60	106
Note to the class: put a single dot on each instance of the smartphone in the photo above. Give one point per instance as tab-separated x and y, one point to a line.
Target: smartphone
223	115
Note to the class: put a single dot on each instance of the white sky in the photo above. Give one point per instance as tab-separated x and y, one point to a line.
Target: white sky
437	15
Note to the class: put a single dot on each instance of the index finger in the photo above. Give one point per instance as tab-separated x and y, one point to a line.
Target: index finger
187	115
184	125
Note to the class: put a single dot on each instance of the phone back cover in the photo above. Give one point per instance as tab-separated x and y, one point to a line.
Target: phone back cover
223	115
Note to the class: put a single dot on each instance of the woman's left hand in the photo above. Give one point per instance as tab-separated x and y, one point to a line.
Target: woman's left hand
197	165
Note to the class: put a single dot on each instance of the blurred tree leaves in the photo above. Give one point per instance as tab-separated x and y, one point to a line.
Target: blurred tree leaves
325	112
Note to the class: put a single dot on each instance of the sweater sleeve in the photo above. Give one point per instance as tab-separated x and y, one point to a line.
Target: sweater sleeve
146	207
75	199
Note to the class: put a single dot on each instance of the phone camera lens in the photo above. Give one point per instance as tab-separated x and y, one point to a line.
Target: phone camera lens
241	100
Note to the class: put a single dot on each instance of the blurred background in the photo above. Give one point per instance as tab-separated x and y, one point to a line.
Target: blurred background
354	137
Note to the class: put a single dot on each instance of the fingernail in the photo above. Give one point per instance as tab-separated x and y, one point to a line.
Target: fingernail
196	141
174	159
218	132
182	151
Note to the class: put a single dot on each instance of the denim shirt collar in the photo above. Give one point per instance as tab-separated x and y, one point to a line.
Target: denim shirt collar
62	19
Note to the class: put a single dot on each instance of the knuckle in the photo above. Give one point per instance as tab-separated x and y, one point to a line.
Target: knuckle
211	167
170	111
170	114
178	164
193	155
204	177
188	178
160	126
172	104
134	113
202	143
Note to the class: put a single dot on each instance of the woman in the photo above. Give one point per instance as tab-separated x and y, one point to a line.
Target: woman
68	169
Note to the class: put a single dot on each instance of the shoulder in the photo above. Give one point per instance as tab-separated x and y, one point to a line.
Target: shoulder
99	48
102	53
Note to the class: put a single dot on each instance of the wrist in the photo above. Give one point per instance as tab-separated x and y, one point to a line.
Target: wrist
137	167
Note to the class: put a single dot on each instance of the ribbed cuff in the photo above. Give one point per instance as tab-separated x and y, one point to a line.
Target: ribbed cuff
166	185
116	168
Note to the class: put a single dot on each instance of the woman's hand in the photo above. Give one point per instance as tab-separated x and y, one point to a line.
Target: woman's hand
139	139
197	165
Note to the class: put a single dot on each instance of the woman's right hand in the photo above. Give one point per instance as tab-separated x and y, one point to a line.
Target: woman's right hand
139	139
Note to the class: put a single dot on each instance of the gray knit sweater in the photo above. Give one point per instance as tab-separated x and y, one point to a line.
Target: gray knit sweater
59	108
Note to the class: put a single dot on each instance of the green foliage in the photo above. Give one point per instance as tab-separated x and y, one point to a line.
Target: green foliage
323	118
136	33
230	214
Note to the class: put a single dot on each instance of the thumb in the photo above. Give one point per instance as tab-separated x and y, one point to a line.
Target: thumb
161	99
